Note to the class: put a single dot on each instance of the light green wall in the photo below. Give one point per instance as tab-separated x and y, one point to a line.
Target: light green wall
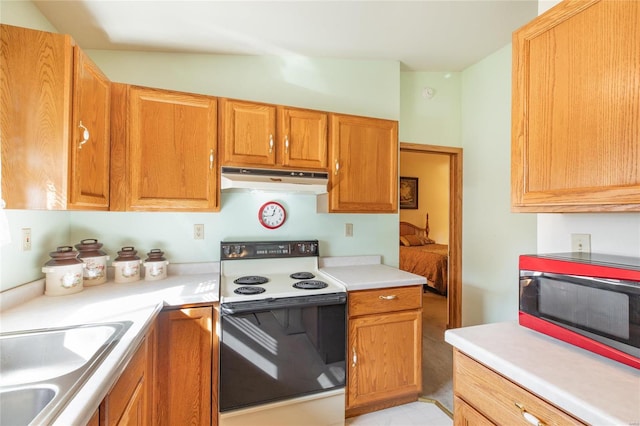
23	13
493	237
435	121
369	88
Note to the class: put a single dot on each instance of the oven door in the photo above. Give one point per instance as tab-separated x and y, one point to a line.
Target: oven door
277	349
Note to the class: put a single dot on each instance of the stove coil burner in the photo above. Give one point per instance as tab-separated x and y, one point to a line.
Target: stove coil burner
251	280
302	275
249	290
310	285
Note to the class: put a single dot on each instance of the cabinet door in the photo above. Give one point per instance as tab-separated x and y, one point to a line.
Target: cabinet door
364	162
575	114
384	357
95	419
35	113
184	391
128	401
89	174
302	138
171	156
248	133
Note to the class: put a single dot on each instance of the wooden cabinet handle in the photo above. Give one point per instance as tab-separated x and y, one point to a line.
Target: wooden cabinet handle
85	135
390	297
337	168
354	358
286	144
529	418
270	144
211	159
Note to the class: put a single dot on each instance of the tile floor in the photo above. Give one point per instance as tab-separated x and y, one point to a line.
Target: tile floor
419	413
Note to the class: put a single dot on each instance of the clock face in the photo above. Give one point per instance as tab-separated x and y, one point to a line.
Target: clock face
272	215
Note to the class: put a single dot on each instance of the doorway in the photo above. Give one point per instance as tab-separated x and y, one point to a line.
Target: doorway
454	290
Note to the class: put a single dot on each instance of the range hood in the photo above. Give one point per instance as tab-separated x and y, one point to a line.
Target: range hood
273	180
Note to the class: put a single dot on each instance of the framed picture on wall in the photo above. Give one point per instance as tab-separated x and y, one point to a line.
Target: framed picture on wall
408	192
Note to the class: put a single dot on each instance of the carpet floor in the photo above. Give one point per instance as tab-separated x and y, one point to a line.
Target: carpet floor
437	355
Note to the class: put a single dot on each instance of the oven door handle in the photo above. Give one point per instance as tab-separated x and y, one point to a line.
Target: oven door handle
230	308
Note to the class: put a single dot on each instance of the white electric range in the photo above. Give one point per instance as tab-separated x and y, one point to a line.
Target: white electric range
282	336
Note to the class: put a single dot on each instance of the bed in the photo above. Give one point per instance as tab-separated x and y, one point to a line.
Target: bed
423	256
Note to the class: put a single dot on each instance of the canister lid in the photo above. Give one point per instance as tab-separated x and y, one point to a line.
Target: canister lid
155	255
127	253
64	255
90	247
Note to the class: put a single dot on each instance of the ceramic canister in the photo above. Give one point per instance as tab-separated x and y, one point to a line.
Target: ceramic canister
155	266
95	260
63	272
126	266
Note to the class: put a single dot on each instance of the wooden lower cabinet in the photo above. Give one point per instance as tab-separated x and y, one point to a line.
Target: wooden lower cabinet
95	419
129	402
384	358
186	385
466	415
484	397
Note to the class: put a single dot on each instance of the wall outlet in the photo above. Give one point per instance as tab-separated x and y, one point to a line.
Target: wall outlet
348	229
198	231
26	239
581	243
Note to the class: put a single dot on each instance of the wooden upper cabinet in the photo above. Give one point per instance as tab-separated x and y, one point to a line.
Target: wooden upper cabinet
164	150
90	147
302	138
364	165
247	133
264	135
576	109
45	90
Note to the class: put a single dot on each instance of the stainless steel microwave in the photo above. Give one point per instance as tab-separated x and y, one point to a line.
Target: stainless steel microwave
586	299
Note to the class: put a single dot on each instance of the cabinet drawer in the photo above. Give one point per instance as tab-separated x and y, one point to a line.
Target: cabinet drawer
498	399
391	299
466	415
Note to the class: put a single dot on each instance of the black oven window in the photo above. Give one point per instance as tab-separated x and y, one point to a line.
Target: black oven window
278	354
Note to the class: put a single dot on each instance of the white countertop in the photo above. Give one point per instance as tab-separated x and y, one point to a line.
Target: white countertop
368	276
595	389
139	302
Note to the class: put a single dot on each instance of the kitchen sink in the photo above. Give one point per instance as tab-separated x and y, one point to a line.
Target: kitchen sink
40	370
21	406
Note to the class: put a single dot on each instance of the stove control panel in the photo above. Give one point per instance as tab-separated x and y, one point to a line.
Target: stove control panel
236	250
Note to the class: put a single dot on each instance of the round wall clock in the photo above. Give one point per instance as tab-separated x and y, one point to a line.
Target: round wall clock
272	215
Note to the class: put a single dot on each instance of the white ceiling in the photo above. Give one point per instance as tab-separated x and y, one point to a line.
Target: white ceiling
426	35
